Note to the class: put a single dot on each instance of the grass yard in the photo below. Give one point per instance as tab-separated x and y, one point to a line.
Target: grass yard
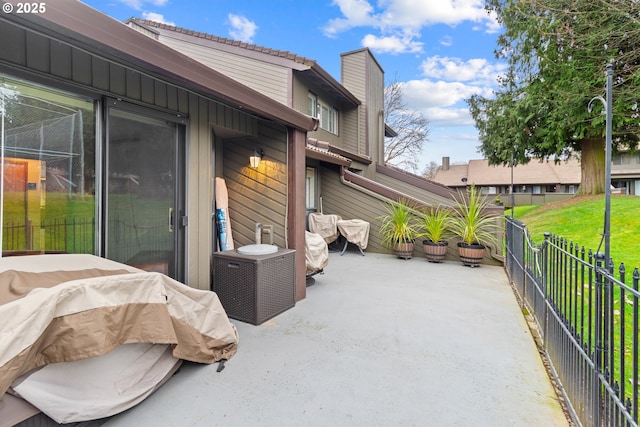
581	220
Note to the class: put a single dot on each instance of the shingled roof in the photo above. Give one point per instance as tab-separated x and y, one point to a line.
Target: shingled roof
296	62
231	42
536	172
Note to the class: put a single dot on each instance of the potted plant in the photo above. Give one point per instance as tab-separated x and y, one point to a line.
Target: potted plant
399	228
475	229
436	223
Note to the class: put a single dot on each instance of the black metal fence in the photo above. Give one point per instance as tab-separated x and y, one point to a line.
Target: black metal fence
65	235
588	321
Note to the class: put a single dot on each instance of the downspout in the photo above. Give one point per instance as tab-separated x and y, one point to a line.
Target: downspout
371	193
381	137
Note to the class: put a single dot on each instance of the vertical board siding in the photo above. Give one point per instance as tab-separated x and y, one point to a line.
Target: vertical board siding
60	59
354	79
38	55
17	39
81	67
100	74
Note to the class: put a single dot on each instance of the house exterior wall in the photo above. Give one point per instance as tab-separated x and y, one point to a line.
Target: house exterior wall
270	79
363	76
257	195
48	62
345	138
353	78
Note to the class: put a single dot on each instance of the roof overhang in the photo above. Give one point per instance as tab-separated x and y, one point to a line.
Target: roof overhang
321	150
76	24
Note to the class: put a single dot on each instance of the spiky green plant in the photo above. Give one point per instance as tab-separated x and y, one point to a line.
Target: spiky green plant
469	222
399	224
436	224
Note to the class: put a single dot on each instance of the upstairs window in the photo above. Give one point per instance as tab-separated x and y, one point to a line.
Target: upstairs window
327	115
312	104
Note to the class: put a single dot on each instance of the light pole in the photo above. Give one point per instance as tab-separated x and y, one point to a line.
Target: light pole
607	103
513	203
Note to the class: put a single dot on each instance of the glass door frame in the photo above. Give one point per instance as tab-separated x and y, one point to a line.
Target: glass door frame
179	221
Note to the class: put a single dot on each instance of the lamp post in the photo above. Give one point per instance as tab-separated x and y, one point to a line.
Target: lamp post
513	202
607	103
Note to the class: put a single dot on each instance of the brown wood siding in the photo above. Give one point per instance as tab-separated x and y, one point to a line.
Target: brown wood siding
269	79
353	78
257	195
349	129
425	196
94	74
351	203
375	107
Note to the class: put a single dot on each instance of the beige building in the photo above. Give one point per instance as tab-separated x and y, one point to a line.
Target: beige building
536	182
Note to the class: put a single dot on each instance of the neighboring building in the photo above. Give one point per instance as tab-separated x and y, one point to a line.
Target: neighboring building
537	177
625	172
544	180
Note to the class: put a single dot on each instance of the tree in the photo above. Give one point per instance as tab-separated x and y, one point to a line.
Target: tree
430	170
410	126
557	52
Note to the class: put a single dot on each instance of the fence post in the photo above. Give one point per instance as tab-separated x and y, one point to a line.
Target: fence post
544	254
598	344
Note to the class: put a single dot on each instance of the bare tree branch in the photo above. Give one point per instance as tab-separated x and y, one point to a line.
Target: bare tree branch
411	127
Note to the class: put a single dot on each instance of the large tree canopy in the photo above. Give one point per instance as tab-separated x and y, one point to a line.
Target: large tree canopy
557	52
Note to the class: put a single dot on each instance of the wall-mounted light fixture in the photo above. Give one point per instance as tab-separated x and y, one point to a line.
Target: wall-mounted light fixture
254	160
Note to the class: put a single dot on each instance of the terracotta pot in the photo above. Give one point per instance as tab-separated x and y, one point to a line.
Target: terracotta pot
403	249
434	251
471	255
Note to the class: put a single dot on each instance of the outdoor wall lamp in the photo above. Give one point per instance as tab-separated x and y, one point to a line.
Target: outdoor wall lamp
254	160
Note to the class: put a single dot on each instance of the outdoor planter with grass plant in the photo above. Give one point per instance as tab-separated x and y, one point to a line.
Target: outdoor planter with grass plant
399	228
436	229
475	229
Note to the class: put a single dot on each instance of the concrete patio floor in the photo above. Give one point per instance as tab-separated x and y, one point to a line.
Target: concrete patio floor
378	341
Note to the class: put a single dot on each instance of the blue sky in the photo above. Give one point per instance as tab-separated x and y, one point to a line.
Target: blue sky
441	50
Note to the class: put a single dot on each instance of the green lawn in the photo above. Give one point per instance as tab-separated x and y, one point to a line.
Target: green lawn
581	220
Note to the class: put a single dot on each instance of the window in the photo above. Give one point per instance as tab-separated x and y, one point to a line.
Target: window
489	190
312	105
327	115
48	202
329	118
311	188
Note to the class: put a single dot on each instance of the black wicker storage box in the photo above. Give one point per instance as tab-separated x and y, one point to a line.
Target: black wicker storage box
254	288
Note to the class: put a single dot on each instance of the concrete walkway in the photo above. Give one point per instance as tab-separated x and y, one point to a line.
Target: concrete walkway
378	341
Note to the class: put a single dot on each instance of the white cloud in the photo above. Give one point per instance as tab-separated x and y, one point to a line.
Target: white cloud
139	4
477	70
446	41
356	13
408	16
422	94
448	117
242	28
152	16
392	44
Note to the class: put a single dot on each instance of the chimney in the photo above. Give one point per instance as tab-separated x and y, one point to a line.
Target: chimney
445	163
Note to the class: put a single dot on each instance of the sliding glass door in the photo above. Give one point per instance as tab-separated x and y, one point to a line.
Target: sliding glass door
144	197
